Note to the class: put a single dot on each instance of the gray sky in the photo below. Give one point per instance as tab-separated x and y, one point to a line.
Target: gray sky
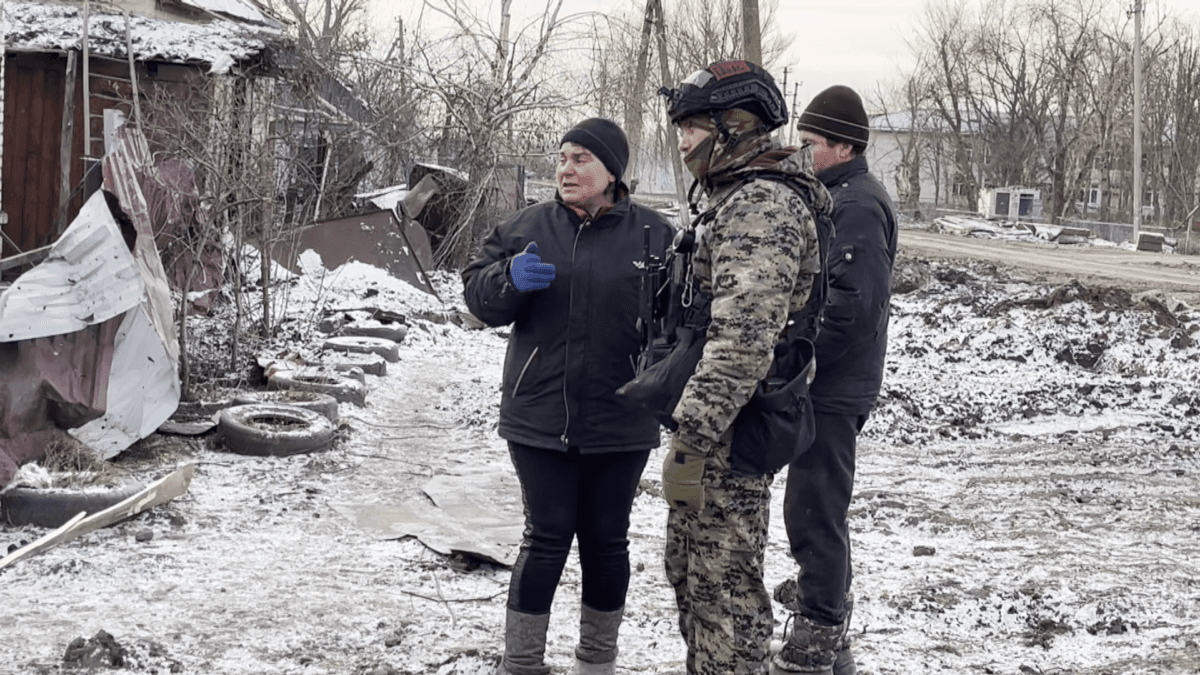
859	43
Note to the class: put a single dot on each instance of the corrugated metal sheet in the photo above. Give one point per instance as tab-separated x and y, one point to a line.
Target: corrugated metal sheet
49	383
118	390
124	168
143	389
90	276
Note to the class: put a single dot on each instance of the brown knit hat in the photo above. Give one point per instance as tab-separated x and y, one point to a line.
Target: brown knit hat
837	113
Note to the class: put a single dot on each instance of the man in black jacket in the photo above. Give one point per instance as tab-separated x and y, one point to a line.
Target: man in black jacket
850	356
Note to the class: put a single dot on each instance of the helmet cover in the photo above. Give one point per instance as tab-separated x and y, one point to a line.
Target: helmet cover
724	85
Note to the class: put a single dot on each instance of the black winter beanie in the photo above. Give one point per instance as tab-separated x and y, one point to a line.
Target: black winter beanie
837	113
606	141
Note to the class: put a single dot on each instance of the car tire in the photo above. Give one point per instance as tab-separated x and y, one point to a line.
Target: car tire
394	333
344	389
309	400
388	349
53	507
263	429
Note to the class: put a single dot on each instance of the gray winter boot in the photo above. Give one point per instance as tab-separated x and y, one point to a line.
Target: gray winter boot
809	648
845	664
525	644
597	650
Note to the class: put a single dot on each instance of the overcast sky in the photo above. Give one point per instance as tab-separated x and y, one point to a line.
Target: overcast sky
859	43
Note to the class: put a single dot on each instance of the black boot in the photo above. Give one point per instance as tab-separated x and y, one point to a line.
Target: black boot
845	665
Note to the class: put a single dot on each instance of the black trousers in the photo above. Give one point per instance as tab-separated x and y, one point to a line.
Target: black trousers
819	485
569	495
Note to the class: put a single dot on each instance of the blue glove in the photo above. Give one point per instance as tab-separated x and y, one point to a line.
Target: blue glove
528	272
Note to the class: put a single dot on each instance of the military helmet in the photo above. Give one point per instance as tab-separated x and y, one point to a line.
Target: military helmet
724	85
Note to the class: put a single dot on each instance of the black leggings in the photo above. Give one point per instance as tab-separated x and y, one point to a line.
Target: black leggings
568	494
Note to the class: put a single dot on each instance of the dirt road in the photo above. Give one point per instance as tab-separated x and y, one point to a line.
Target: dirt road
1176	275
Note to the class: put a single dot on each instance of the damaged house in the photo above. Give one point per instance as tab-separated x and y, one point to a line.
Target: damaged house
88	343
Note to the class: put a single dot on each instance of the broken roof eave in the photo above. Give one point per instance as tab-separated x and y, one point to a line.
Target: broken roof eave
55	28
238	64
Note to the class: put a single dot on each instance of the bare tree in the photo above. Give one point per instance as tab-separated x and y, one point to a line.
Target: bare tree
1172	121
486	84
946	39
322	27
1038	92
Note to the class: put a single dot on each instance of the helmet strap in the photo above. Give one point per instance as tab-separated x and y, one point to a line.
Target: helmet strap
721	128
693	202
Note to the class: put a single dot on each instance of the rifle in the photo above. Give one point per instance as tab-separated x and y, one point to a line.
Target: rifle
653	299
676	315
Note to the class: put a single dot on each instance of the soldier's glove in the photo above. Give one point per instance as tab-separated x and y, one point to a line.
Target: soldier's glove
528	272
682	468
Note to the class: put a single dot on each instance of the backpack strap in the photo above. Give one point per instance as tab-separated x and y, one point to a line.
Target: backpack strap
806	321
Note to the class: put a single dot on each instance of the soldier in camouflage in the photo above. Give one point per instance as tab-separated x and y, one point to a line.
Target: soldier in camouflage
757	257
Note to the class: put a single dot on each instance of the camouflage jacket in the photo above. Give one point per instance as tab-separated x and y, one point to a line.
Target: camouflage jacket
757	258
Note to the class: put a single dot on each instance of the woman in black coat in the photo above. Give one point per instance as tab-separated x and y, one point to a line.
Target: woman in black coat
567	275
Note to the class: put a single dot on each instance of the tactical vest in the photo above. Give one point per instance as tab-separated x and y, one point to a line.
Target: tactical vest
676	314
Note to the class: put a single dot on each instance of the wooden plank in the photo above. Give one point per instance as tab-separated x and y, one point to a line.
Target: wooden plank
5	105
27	258
46	542
34	220
64	147
17	112
159	492
45	149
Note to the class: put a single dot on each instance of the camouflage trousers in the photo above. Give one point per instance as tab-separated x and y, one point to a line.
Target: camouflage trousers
714	561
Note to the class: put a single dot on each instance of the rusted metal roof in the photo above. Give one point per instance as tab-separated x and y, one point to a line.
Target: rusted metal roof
377	238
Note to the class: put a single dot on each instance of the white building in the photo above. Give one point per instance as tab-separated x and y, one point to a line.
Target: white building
911	155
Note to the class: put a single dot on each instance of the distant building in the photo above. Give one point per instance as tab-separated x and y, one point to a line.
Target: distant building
912	154
1010	203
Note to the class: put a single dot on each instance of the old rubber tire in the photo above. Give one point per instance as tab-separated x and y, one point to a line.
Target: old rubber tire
52	507
394	333
344	389
309	400
388	349
274	429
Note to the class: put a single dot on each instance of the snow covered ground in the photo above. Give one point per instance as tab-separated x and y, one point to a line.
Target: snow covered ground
1027	501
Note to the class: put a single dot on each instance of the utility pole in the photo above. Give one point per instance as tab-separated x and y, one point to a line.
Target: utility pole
783	134
752	31
1137	119
672	138
795	117
633	99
